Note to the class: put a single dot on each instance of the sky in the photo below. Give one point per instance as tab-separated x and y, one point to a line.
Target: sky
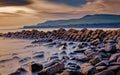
18	13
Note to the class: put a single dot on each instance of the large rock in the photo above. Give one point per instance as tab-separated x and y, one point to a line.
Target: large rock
105	72
114	57
52	69
87	69
82	58
111	48
36	67
103	63
95	60
101	68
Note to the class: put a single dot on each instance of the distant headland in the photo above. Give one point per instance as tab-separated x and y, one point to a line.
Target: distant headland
88	21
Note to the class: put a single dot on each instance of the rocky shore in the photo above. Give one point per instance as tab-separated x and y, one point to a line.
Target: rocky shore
83	35
82	52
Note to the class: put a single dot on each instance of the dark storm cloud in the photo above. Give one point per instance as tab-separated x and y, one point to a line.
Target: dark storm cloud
70	2
14	2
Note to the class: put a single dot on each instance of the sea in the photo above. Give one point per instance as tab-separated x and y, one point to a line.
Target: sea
13	50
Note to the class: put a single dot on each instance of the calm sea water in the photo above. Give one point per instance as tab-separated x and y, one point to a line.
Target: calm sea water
50	29
13	50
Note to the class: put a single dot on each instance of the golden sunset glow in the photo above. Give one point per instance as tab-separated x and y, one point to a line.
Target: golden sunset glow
19	14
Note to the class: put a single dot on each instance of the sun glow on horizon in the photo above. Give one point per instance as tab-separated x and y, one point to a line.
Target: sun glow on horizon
14	9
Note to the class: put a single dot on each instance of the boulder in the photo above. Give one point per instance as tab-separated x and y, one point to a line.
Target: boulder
105	72
36	67
72	67
111	48
64	58
19	71
82	58
87	69
95	60
103	63
118	59
114	57
64	73
89	53
63	52
52	69
101	68
62	47
25	59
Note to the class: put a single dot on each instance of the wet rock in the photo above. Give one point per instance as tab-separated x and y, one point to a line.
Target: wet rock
118	45
101	68
19	71
72	67
105	72
72	53
70	43
118	73
65	73
111	48
59	44
114	57
41	52
53	57
38	54
36	67
15	73
114	63
71	73
77	50
118	59
103	63
51	62
104	55
87	69
89	53
25	60
42	40
95	42
80	45
62	47
95	60
114	68
63	52
52	69
92	54
50	44
16	57
64	58
82	58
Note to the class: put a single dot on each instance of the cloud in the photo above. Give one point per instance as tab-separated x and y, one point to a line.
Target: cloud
75	3
43	10
103	7
14	2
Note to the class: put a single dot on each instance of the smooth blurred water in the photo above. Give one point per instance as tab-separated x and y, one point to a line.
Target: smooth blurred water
12	49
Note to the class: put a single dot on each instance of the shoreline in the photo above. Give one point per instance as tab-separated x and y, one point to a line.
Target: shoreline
83	35
75	56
